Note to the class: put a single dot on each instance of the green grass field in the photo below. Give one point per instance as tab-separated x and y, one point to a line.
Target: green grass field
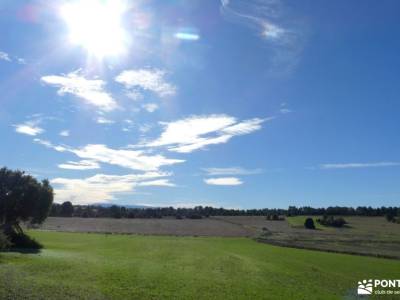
98	266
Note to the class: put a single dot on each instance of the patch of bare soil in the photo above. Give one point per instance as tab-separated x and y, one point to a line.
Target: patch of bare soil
165	226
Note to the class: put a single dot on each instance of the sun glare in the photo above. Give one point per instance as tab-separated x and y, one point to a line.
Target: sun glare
96	25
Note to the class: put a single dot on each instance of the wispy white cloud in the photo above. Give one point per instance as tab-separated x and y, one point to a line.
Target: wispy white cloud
104	188
21	61
128	125
144	128
259	15
29	128
134	95
158	182
150	107
223	181
4	56
48	144
197	132
130	159
285	111
91	91
359	165
270	19
80	165
231	171
102	120
64	133
146	79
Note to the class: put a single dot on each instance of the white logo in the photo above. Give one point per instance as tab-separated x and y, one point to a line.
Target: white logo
365	287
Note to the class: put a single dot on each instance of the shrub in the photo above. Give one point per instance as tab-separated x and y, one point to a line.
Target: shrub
274	217
332	221
194	216
390	217
309	223
4	242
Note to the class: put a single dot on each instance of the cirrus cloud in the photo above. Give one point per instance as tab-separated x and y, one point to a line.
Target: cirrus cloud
231	171
91	91
360	165
104	188
223	181
130	159
197	132
152	80
80	165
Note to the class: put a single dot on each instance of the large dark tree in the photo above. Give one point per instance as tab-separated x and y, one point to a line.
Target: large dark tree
67	209
22	199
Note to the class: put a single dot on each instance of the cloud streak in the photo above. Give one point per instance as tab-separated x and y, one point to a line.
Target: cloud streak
197	132
359	165
223	181
80	165
266	18
258	15
104	188
130	159
231	171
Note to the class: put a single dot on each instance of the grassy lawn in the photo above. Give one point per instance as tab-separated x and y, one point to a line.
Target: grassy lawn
98	266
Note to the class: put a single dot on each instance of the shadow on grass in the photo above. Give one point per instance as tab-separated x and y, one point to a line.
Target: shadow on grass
21	250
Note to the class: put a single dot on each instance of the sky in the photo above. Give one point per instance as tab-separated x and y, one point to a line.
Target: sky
233	103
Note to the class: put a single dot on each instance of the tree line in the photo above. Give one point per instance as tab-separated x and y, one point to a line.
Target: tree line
66	209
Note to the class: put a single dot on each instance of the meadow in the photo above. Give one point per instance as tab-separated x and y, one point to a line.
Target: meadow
113	266
372	236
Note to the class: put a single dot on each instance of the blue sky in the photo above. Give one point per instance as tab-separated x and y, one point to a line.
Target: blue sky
228	103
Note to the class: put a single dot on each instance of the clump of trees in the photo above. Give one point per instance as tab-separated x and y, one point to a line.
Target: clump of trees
342	211
332	221
309	223
274	217
393	217
23	199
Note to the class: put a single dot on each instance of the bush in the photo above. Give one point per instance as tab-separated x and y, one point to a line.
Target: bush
275	217
332	221
390	217
23	241
309	223
194	216
4	242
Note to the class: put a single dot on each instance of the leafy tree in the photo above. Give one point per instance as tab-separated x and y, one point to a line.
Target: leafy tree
22	199
115	212
309	223
67	209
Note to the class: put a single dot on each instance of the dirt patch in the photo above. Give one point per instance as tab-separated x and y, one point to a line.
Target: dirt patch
165	226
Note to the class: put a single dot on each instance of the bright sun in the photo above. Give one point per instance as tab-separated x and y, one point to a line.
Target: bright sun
96	25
